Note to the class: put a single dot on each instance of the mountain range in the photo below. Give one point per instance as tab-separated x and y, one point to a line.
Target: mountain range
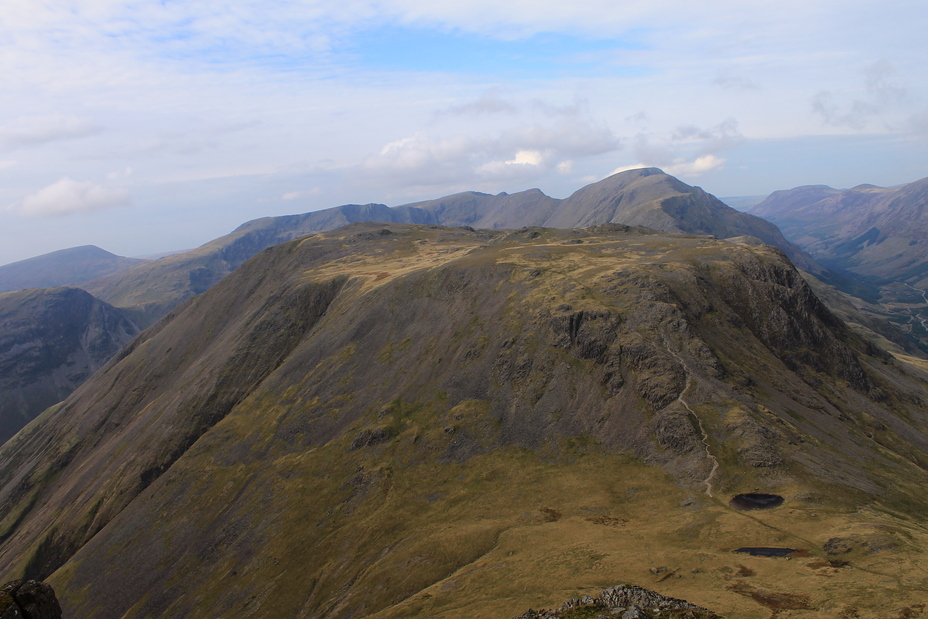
645	197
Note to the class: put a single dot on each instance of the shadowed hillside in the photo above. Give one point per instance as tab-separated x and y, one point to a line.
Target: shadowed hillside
51	341
418	421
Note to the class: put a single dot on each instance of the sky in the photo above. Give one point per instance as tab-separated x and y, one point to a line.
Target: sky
147	126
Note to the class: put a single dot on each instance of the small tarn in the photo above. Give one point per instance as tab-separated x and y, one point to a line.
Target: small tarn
767	552
751	501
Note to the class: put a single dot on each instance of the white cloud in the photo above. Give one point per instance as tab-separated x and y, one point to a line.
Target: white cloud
626	168
527	157
68	196
689	169
4	165
28	131
680	167
524	151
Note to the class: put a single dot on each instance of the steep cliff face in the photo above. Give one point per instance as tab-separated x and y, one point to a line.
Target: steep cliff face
372	420
51	341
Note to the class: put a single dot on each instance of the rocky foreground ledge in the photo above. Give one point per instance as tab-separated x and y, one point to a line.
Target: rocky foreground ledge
28	599
623	602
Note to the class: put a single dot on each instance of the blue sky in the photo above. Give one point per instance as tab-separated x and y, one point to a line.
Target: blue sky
145	126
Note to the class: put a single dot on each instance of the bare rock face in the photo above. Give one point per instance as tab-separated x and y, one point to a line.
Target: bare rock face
626	601
28	599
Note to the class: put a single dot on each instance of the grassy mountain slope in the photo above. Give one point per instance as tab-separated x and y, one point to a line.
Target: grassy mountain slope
60	268
419	421
51	341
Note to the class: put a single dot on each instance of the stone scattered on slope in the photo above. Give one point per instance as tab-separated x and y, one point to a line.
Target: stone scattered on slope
627	602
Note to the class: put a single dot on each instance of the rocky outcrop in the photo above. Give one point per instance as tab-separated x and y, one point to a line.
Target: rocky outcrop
625	601
28	599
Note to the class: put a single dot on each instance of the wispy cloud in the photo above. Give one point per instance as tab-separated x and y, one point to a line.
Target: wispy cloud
735	83
918	123
302	194
488	103
30	131
689	151
523	151
722	136
68	196
881	94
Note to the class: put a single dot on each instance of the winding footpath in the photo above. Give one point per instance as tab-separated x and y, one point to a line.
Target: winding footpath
912	312
705	436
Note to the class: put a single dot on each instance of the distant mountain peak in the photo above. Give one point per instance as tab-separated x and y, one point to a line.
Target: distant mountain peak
63	267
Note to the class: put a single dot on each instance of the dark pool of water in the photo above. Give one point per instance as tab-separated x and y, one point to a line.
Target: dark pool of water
767	552
753	500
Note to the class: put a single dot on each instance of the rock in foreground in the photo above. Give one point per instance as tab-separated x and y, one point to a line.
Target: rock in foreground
28	599
625	601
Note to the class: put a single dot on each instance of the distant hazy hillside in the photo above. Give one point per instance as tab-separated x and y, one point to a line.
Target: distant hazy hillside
742	203
645	197
59	268
876	231
51	341
877	234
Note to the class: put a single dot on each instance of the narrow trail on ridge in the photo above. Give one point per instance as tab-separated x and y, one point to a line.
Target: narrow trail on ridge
705	436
